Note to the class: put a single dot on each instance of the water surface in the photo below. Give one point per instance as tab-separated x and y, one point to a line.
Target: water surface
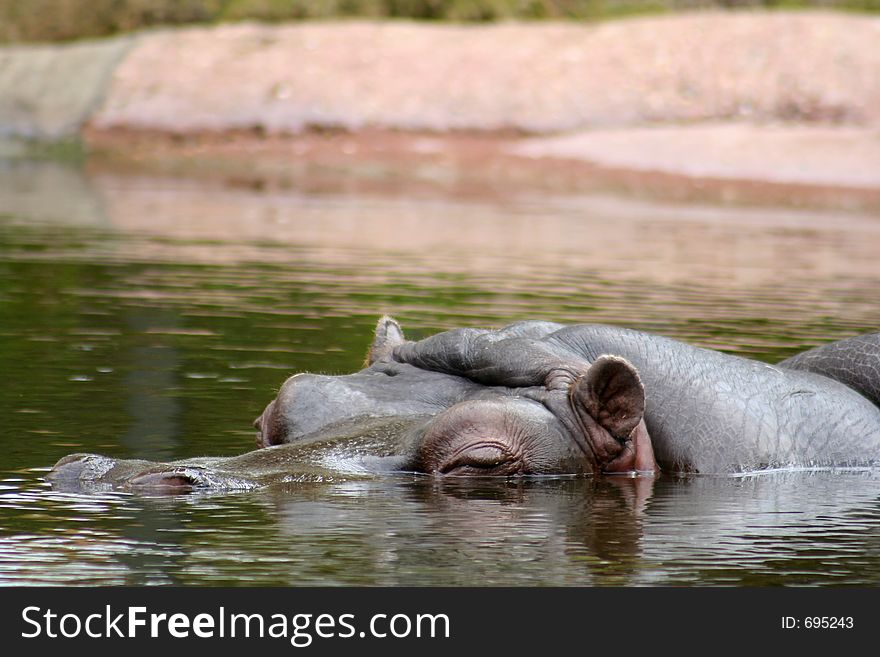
154	318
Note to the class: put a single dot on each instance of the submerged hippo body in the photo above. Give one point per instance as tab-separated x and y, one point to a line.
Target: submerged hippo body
537	398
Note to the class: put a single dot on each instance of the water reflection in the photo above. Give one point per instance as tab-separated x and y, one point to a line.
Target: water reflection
794	528
151	377
154	318
49	191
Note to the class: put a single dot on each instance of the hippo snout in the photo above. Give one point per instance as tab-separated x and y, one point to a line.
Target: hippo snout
74	470
69	469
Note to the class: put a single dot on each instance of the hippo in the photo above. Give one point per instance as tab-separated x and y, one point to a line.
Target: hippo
539	398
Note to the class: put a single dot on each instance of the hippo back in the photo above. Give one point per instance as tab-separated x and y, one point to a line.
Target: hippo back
855	362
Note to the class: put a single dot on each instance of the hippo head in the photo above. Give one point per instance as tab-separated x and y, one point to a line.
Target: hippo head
590	423
393	416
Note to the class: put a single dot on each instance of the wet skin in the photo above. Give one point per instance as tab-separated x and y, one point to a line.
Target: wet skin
532	398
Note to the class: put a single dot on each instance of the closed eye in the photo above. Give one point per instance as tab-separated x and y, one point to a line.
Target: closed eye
482	459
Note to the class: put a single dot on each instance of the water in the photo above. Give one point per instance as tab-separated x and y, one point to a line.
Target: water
154	318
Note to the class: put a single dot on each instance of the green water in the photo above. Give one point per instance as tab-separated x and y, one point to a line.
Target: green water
154	318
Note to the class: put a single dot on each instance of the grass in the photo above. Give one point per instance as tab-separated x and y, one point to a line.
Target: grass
65	20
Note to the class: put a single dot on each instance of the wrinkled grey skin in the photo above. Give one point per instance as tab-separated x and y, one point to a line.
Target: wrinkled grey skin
854	361
523	400
705	411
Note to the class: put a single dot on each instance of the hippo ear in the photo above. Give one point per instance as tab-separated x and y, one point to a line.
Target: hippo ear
612	394
388	335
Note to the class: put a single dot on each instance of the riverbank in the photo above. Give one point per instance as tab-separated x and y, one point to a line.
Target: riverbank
788	103
473	165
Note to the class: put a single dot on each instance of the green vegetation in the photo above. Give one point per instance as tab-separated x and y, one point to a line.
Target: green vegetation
61	20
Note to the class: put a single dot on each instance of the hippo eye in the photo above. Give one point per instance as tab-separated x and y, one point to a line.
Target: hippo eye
482	459
181	480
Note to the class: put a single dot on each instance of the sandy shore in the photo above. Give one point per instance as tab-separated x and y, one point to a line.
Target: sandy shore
846	156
